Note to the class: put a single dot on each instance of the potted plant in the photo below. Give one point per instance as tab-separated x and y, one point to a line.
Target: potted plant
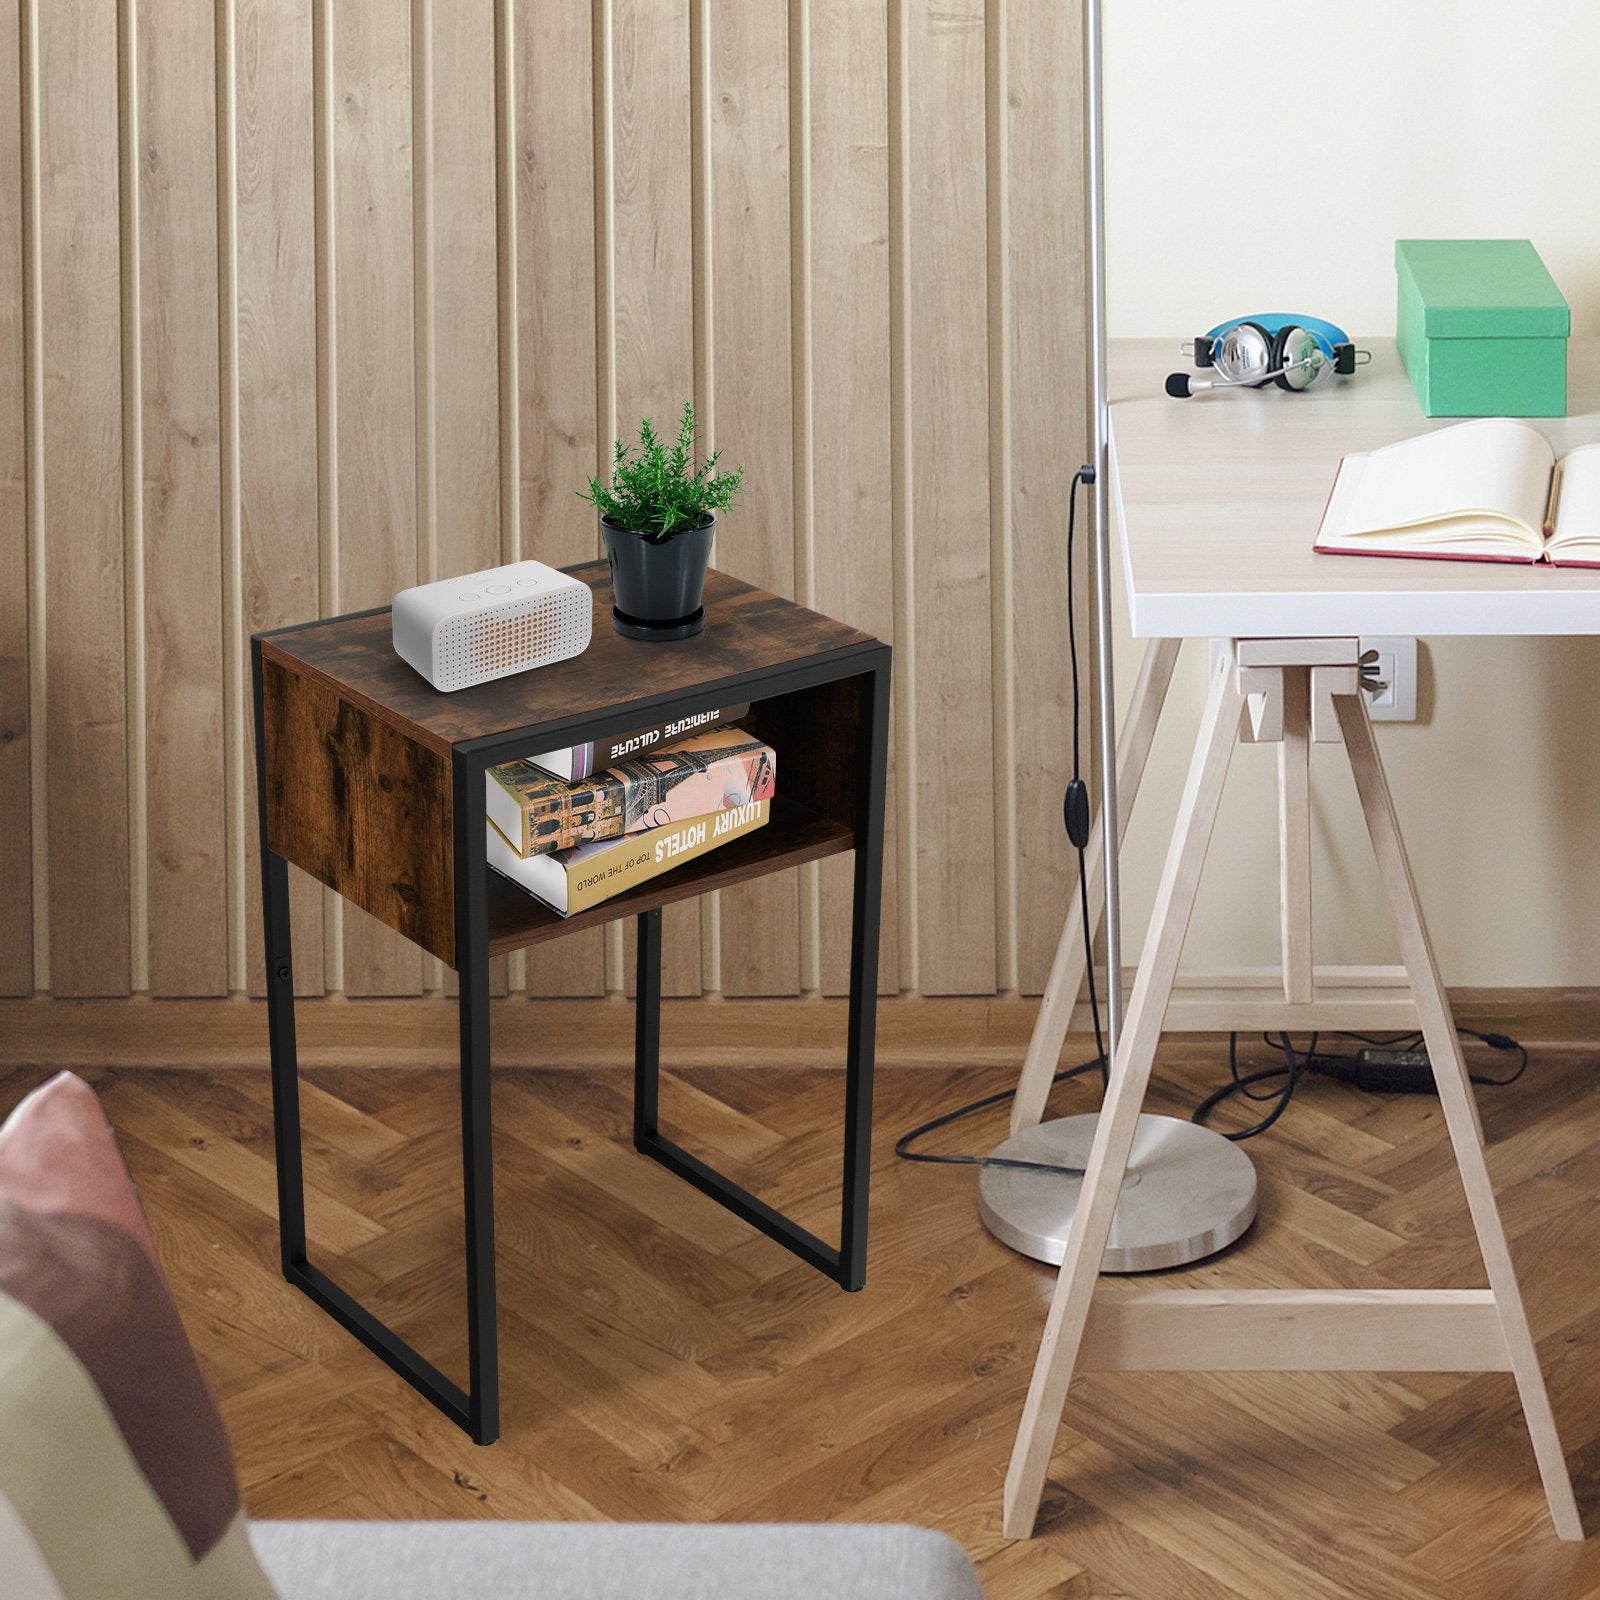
657	517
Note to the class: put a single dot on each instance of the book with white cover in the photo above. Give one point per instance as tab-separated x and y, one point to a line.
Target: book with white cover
1486	490
570	881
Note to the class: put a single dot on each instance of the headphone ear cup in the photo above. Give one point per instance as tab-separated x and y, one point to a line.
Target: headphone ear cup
1243	354
1304	357
1269	352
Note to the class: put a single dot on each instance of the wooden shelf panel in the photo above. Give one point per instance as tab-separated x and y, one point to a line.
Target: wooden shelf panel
793	835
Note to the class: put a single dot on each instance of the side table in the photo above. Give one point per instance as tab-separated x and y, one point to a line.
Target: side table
373	782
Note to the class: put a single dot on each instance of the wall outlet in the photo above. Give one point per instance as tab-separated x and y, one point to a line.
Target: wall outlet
1396	669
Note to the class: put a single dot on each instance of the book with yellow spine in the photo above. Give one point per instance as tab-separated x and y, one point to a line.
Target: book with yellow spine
570	881
702	774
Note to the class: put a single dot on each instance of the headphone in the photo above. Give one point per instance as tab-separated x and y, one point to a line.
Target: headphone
1292	351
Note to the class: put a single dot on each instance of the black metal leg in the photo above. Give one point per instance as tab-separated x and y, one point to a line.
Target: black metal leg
648	1139
847	1265
866	901
477	1129
284	1057
478	1412
276	940
647	1030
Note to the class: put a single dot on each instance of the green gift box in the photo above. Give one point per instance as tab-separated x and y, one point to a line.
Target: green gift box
1482	328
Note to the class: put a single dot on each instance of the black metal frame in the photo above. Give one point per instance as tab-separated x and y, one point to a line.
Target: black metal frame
477	1409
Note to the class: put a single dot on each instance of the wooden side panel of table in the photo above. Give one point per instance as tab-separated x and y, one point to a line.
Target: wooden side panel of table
361	806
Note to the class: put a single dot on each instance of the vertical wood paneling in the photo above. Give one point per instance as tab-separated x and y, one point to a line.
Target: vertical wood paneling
463	315
853	560
81	497
16	837
654	277
654	267
373	332
133	613
1002	623
848	229
276	471
185	809
751	401
947	419
559	435
1047	359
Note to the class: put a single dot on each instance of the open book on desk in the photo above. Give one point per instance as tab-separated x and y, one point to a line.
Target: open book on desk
1486	490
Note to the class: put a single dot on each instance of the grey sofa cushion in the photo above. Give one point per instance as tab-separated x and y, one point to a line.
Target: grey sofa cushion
610	1561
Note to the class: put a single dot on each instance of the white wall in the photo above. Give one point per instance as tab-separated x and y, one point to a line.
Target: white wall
1264	157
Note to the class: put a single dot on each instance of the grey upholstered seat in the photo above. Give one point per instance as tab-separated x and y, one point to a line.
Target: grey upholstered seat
610	1561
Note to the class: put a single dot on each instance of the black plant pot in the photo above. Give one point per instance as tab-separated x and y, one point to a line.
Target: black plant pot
656	588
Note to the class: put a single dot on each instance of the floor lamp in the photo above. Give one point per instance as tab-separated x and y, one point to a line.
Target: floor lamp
1190	1192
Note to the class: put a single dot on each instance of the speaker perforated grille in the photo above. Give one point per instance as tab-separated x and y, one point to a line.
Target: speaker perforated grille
500	640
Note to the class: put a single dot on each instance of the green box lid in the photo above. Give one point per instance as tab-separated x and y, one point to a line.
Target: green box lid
1483	289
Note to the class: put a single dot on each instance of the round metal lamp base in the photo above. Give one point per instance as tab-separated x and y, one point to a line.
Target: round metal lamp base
1188	1194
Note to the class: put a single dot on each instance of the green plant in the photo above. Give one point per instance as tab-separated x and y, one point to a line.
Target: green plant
660	491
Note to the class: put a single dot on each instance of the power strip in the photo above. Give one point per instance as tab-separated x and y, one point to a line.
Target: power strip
1381	1071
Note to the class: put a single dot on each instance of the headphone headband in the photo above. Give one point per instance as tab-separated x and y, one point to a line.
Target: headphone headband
1326	333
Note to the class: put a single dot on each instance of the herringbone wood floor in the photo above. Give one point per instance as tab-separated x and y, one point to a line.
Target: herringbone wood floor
661	1362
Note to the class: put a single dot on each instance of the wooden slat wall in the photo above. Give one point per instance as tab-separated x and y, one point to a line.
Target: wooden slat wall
845	259
16	801
1044	262
301	303
947	418
80	538
272	460
376	351
656	231
185	798
458	301
750	415
559	273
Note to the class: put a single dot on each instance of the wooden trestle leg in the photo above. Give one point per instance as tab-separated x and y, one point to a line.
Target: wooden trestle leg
1119	1114
1309	687
1460	1108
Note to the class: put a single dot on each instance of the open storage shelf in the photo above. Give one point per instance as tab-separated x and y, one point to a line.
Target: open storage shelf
793	834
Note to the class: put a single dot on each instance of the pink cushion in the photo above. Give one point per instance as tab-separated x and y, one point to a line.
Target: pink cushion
58	1153
112	1455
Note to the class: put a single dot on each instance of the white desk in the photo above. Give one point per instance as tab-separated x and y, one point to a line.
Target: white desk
1218	499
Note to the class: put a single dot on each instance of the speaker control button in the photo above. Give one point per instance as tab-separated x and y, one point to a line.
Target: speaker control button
471	594
497	588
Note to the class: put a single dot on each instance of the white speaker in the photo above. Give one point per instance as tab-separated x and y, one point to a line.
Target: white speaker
485	625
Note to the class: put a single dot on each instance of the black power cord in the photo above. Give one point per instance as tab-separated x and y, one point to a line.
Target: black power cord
902	1145
1370	1070
1395	1065
1075	802
1075	817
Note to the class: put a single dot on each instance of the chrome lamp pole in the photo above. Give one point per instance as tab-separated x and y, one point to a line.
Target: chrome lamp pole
1100	436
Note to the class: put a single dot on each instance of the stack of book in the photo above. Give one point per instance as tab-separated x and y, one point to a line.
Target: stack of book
576	826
